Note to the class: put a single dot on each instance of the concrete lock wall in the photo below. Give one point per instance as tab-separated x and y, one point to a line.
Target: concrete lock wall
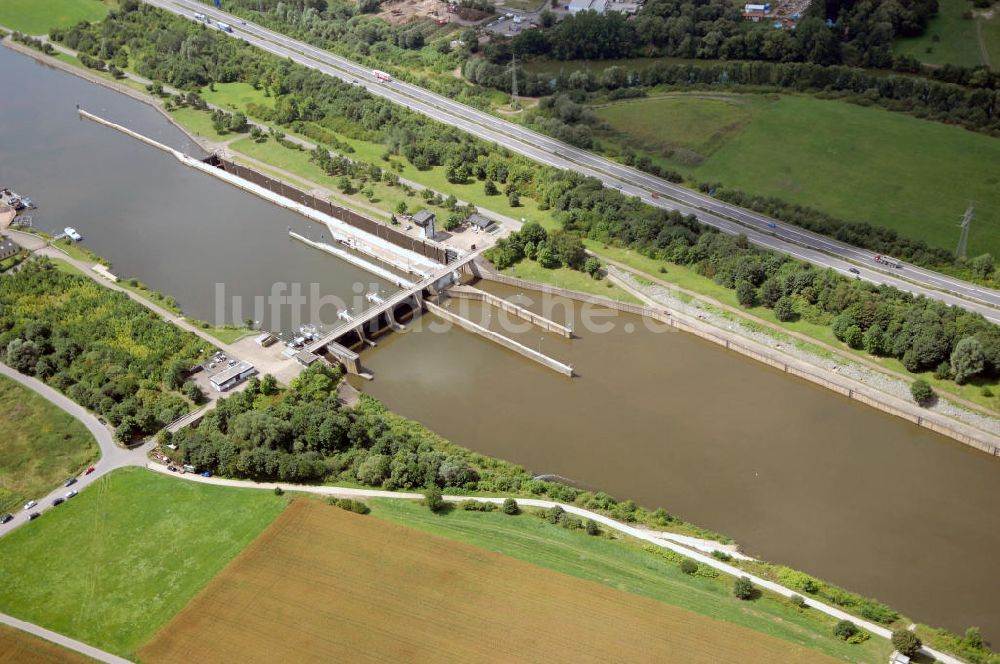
398	238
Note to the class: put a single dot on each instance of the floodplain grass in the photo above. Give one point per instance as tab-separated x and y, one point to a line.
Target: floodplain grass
950	39
40	445
35	17
17	647
358	588
853	162
564	277
114	564
626	566
235	96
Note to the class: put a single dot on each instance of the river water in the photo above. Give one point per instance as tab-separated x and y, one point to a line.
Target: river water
794	473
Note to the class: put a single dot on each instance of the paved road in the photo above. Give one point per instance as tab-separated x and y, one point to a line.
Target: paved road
650	536
759	229
112	456
64	641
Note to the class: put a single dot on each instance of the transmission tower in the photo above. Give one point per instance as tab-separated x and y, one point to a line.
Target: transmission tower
513	80
963	241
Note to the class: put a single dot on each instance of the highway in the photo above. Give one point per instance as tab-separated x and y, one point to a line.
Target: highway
759	229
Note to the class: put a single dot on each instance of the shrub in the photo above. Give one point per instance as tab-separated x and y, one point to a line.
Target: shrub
554	514
278	491
906	642
922	392
593	528
510	507
688	566
433	499
845	629
355	506
721	555
743	588
477	506
798	601
878	612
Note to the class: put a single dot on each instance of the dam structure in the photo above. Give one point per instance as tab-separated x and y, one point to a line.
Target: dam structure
437	266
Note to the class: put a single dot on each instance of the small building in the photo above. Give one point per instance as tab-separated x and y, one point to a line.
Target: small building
305	357
8	247
232	376
898	658
480	222
425	219
577	6
627	8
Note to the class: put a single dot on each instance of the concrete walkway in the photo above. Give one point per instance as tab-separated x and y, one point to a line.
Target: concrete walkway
652	537
64	641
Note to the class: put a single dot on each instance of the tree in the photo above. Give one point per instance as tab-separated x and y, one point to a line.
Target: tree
23	355
743	588
193	392
510	507
344	184
268	385
874	340
401	207
513	198
906	642
593	528
968	359
433	498
921	392
688	566
746	294
845	629
547	258
783	309
853	336
554	514
592	266
982	266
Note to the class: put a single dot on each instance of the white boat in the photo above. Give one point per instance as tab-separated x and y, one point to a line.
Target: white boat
72	234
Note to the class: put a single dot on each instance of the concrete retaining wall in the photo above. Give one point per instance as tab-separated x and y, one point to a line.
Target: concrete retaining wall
469	293
510	344
851	389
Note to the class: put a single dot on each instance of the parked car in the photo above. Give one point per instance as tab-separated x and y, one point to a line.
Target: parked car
172	469
6	518
854	270
206	474
58	501
28	505
70	494
89	471
70	482
33	516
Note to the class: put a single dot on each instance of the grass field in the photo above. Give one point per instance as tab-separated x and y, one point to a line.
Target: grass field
37	16
116	563
40	445
625	566
857	163
323	583
17	647
564	277
697	126
949	39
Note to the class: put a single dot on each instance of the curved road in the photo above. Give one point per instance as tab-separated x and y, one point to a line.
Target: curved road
639	533
759	229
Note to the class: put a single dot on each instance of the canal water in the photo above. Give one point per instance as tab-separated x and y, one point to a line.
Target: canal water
794	473
185	234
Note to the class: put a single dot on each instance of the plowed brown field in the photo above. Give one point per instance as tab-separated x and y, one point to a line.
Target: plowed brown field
17	647
323	584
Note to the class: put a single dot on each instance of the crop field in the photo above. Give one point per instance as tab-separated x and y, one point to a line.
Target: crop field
856	163
40	445
114	564
17	647
323	583
950	39
37	16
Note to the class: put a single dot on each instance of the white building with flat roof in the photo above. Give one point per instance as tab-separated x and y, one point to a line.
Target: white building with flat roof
232	376
577	6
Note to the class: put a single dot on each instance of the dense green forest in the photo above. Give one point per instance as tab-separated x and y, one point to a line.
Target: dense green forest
96	345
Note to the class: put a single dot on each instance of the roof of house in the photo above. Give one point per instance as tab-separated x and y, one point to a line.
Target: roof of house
306	357
480	221
421	218
230	373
